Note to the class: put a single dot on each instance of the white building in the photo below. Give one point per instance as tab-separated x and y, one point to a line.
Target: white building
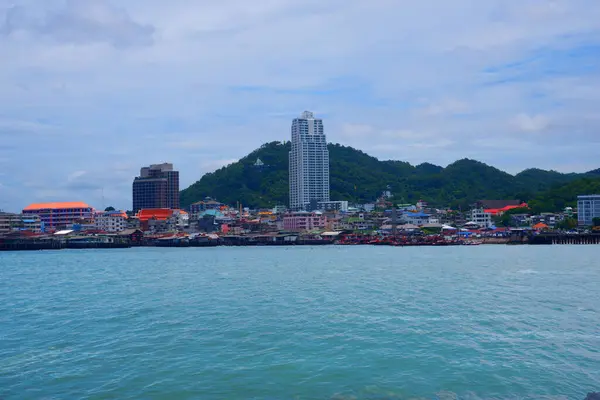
414	218
111	221
339	205
183	219
309	162
588	208
481	218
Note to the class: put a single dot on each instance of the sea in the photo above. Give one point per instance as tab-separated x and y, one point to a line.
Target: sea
324	322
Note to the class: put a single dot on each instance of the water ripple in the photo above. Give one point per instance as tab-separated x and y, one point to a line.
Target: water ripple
490	322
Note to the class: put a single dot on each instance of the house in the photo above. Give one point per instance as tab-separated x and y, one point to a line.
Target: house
135	236
414	218
304	221
204	205
540	226
157	219
499	207
111	221
481	218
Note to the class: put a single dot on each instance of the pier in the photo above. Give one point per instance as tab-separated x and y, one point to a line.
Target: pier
564	239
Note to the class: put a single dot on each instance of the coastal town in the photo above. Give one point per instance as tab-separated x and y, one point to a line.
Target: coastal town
156	217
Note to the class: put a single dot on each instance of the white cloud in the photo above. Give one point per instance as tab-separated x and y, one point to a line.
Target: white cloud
444	107
357	130
530	123
76	175
115	79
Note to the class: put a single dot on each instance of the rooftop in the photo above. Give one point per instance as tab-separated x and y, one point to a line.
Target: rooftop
155	213
56	205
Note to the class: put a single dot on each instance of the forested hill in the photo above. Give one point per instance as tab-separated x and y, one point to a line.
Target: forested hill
358	177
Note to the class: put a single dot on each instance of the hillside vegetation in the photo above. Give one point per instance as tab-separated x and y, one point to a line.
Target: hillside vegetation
358	177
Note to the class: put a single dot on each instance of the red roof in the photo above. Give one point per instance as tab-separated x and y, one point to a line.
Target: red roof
540	226
155	213
495	211
56	205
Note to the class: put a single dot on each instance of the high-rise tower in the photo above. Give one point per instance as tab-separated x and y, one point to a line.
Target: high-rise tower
156	187
309	162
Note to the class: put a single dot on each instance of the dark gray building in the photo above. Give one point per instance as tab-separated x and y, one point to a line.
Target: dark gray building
156	187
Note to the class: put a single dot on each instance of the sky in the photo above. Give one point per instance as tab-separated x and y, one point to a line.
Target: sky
92	90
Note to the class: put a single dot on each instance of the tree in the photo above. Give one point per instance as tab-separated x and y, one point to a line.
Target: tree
111	208
567	224
357	177
596	221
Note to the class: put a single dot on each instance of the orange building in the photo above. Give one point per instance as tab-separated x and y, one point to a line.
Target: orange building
60	214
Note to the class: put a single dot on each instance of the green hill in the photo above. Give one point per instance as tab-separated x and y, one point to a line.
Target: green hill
565	195
359	177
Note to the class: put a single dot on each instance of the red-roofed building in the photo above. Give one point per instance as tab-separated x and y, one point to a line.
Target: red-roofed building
60	214
156	219
500	211
161	214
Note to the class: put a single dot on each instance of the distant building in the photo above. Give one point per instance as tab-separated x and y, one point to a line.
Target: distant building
60	214
279	209
157	219
588	208
341	205
480	217
10	222
308	162
304	221
183	219
499	207
156	187
369	207
204	205
414	218
111	221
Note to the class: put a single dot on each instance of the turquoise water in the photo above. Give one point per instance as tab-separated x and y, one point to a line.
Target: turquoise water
484	322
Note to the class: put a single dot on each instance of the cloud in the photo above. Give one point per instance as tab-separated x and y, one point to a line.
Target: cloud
79	22
444	107
357	130
530	123
102	85
76	175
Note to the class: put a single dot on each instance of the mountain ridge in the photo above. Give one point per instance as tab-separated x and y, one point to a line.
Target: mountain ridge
359	177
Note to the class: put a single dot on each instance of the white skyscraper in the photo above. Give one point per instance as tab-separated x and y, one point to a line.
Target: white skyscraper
309	162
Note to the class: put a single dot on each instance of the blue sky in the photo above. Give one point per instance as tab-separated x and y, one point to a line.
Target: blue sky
91	90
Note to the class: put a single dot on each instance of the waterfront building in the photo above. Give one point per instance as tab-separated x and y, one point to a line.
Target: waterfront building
183	219
414	218
10	222
111	221
588	208
304	221
156	187
308	162
157	219
59	215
